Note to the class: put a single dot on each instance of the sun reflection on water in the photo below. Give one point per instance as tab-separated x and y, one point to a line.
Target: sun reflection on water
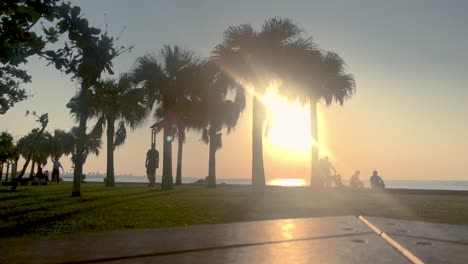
288	182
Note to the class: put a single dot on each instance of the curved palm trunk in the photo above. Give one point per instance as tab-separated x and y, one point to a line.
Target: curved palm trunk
31	172
179	162
315	181
167	181
79	157
258	173
212	161
110	179
7	171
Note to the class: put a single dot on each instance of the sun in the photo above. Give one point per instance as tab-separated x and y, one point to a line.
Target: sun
289	129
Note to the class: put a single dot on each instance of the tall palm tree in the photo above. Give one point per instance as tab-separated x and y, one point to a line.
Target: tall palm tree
255	58
167	82
116	102
219	103
332	85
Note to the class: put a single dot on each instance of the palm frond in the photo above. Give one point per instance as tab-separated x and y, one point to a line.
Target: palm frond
120	135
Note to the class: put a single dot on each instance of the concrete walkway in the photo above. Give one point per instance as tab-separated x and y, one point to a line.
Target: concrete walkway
345	239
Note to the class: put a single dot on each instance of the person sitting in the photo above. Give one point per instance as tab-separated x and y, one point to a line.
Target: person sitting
40	175
46	173
338	182
355	183
376	181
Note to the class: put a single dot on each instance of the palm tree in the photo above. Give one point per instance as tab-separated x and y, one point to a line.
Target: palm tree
168	84
255	58
332	85
113	103
215	110
42	150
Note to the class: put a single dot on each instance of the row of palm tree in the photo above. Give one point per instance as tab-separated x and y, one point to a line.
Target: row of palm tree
190	93
208	95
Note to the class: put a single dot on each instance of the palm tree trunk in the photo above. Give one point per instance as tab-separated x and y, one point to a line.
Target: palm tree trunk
31	173
110	180
79	157
1	171
167	181
258	173
315	181
7	171
179	161
212	161
14	169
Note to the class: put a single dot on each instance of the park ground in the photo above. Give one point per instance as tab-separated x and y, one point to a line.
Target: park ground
50	210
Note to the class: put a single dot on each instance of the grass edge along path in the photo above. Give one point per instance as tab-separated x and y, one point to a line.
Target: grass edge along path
49	210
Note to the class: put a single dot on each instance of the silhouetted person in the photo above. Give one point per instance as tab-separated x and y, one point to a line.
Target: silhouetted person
376	181
55	169
40	175
152	163
325	168
355	183
47	175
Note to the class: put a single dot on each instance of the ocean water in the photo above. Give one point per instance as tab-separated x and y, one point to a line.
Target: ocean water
399	184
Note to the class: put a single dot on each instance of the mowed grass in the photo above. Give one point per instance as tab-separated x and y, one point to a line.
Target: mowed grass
46	210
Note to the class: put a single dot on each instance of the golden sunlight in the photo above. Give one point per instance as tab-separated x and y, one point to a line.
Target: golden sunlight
289	131
288	182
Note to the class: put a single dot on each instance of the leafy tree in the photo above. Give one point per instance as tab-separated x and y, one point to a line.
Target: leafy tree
7	150
169	84
220	104
113	103
255	59
88	55
19	41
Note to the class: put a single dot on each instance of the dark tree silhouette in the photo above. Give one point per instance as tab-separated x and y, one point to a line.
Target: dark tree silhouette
113	102
219	104
7	150
43	120
168	83
19	41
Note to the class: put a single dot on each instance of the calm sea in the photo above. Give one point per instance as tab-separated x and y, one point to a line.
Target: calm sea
400	184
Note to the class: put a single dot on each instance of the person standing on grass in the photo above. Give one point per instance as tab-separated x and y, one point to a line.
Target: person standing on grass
152	163
55	169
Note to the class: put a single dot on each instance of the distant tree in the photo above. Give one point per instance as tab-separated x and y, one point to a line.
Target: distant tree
168	84
255	59
43	120
7	150
113	102
220	103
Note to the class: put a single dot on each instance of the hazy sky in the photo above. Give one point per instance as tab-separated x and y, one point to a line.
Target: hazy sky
409	58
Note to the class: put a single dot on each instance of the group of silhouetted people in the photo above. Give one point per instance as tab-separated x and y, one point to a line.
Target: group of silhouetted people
329	179
44	175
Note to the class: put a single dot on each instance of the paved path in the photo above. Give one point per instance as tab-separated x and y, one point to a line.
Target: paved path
346	239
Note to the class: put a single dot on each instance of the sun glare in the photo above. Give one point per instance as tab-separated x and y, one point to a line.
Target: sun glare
289	131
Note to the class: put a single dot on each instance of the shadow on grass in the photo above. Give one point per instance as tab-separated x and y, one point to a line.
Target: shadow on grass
30	226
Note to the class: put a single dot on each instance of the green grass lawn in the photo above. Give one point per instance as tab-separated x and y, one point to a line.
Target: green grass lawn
45	210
